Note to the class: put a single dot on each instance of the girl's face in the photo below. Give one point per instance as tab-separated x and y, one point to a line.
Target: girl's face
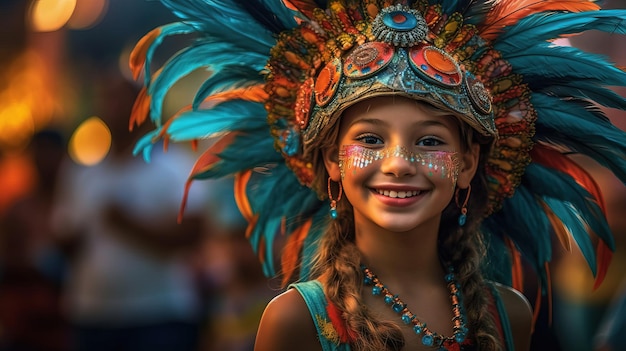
399	163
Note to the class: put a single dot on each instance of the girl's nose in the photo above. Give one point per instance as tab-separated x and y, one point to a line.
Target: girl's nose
399	164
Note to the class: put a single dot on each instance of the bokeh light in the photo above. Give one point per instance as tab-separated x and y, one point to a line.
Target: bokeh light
90	142
50	15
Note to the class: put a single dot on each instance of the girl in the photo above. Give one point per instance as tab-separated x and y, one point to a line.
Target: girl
417	156
398	219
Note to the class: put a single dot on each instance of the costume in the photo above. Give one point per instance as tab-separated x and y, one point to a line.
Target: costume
334	336
287	69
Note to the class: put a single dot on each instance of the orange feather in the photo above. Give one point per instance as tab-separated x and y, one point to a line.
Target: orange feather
204	163
554	159
137	58
241	181
293	247
507	13
141	109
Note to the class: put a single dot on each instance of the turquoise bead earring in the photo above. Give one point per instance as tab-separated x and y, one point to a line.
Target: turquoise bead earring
463	216
333	202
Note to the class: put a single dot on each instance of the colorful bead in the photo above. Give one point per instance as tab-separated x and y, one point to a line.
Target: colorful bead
429	338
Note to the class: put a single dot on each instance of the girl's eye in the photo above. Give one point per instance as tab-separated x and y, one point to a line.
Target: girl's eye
369	139
429	142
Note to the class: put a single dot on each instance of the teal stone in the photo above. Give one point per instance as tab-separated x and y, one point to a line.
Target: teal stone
428	340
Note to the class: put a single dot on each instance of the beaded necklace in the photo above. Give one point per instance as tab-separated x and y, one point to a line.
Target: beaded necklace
429	338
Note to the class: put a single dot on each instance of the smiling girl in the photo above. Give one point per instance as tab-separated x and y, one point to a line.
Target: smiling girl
417	158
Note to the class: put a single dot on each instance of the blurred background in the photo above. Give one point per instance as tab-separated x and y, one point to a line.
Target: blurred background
91	256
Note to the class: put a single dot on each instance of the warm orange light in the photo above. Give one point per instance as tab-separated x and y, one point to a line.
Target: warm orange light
16	125
50	15
87	13
90	142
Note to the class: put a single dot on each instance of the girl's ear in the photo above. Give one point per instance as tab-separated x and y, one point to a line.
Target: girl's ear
469	165
331	161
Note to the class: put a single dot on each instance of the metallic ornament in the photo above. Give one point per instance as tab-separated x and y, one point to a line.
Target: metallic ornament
436	65
479	95
327	82
399	25
368	59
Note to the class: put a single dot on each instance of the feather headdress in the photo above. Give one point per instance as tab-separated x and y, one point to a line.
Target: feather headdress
266	59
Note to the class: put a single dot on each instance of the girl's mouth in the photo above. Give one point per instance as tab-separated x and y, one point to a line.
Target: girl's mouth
398	194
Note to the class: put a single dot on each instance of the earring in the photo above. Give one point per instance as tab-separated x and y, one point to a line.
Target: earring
463	216
333	203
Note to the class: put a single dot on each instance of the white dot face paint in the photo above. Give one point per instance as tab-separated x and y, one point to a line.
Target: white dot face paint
443	164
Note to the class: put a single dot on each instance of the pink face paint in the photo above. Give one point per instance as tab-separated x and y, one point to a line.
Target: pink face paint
436	163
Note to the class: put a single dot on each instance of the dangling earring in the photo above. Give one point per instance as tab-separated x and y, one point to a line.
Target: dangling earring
463	216
333	203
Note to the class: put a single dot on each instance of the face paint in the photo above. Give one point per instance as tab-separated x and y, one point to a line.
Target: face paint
436	163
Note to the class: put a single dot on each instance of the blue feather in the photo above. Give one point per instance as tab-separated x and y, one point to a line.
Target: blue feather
578	89
166	31
562	122
225	117
537	28
561	62
576	208
210	56
230	76
529	231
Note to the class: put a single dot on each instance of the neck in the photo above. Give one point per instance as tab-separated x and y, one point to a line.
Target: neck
400	256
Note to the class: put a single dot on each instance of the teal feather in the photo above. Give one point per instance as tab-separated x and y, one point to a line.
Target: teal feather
146	144
208	56
579	89
225	117
529	232
167	30
228	77
225	21
537	28
562	62
311	242
564	123
573	205
248	151
272	208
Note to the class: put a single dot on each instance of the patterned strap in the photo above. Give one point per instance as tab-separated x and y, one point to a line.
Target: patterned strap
313	295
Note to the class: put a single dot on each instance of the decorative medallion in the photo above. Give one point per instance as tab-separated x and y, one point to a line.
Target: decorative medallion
479	95
400	26
435	64
327	82
368	59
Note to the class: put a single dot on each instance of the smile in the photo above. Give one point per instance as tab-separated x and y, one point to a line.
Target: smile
398	194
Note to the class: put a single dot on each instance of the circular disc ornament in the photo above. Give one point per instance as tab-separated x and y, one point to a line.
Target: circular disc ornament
368	59
327	82
435	64
400	25
479	95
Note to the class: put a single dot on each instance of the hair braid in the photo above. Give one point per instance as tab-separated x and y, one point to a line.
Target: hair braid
339	263
463	247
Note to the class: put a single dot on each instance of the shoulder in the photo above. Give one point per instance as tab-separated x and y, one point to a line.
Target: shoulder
519	313
286	324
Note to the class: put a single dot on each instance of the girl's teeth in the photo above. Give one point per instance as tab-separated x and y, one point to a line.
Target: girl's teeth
398	194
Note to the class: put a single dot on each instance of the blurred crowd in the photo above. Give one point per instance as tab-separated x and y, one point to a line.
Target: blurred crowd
93	258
